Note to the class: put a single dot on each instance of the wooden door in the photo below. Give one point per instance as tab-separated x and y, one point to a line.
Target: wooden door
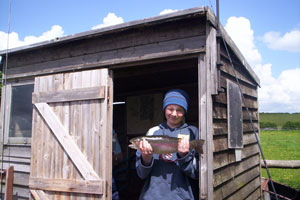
72	136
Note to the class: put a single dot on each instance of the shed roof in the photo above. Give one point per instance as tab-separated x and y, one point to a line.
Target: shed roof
140	23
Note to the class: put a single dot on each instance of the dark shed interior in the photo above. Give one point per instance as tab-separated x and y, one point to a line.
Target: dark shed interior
147	83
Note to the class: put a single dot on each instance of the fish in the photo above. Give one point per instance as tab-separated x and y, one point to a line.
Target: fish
162	144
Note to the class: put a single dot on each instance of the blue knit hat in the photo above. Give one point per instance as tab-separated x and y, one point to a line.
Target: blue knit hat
178	97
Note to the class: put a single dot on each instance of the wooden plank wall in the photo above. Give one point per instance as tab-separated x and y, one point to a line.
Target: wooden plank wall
235	180
131	45
19	157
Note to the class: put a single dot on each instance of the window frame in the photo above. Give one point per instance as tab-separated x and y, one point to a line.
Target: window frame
6	101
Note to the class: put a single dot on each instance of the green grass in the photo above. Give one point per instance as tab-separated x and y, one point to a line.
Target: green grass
279	118
282	145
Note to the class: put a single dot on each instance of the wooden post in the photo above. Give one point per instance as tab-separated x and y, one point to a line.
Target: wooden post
205	88
292	164
9	180
207	85
109	118
203	176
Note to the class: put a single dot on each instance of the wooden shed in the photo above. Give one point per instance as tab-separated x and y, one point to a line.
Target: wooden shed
58	112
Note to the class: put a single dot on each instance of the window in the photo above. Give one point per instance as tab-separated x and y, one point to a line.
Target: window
18	113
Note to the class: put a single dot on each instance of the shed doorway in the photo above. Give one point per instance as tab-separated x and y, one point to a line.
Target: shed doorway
138	95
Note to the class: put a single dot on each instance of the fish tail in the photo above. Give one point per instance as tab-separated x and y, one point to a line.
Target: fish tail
197	145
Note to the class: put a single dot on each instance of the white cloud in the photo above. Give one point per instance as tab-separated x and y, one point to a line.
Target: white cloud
290	41
56	31
109	20
240	31
167	11
14	41
280	94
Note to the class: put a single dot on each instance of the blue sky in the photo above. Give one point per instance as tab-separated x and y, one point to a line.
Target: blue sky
266	31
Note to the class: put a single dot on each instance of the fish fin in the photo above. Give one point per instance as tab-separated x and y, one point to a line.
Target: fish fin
133	146
197	145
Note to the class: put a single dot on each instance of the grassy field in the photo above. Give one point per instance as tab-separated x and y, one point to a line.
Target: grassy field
279	118
282	145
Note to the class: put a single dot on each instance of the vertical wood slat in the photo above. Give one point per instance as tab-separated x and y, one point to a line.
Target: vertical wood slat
76	112
202	126
34	138
212	88
66	124
104	138
59	84
205	128
91	120
44	133
52	84
5	101
211	53
50	147
95	126
86	117
96	129
88	122
109	136
207	85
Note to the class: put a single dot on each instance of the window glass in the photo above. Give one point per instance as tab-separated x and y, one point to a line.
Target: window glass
21	111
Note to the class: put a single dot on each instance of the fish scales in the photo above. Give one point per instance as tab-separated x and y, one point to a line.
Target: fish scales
165	144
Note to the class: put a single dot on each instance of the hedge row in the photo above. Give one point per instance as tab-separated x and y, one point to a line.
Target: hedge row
288	125
268	125
291	125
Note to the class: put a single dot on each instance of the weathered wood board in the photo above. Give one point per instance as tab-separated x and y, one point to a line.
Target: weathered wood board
234	116
237	183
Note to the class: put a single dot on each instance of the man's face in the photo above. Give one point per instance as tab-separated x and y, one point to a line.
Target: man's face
174	115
